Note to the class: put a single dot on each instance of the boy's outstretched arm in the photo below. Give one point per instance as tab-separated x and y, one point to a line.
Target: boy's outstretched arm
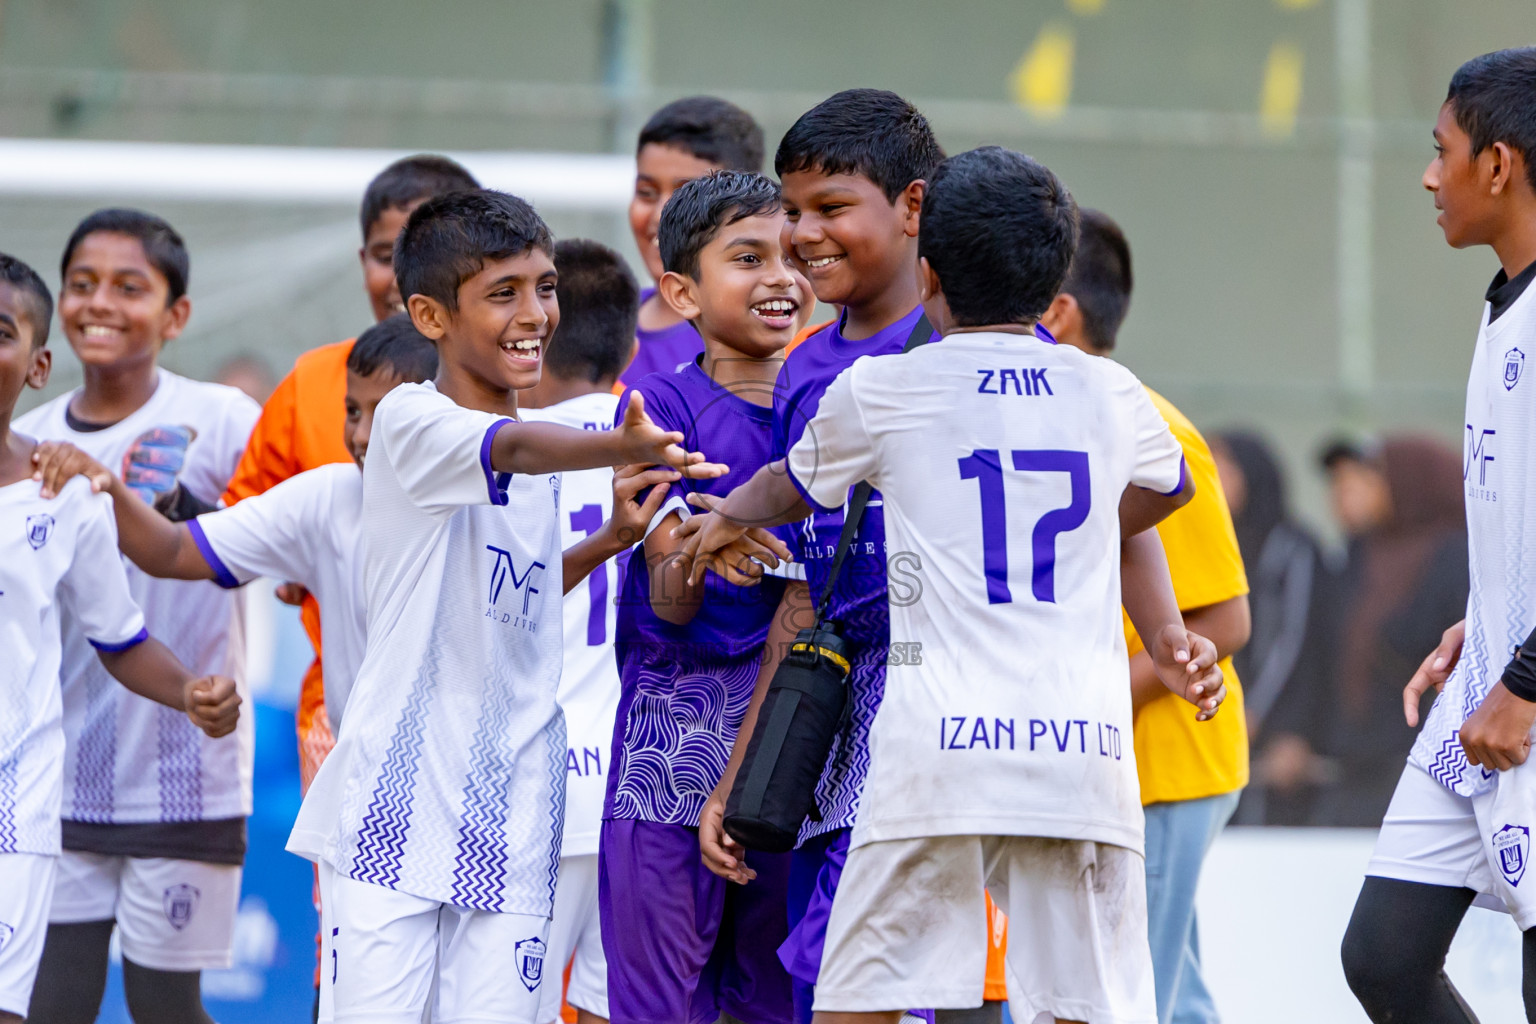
155	544
633	509
537	448
1185	662
722	854
149	669
739	521
1141	508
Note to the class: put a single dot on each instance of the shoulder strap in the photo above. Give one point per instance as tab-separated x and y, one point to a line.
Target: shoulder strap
921	332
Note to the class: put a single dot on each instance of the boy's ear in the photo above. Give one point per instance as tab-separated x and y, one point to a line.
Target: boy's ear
677	291
927	281
40	367
429	316
910	206
177	314
1508	168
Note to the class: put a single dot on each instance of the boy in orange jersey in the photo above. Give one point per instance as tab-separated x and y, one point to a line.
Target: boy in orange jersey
301	425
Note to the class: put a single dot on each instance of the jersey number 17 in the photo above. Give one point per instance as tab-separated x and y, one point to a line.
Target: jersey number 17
985	466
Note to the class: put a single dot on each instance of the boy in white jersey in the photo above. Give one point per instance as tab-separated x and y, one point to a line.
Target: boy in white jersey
1008	466
599	305
1459	825
58	569
154	811
436	820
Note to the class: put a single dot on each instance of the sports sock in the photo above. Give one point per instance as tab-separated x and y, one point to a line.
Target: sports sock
163	997
72	973
1394	951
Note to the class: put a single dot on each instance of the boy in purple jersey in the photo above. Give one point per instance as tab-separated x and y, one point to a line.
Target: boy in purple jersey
682	946
854	170
685	139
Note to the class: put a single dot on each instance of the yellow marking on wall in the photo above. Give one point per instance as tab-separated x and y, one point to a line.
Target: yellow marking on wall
1280	97
1295	5
1042	81
1088	7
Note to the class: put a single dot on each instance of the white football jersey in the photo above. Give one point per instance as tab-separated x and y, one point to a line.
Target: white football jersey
1001	459
589	683
128	759
57	558
1499	472
448	780
307	529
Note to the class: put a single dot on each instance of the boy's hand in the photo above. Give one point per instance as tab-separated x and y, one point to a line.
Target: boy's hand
646	443
1186	663
1434	671
291	593
721	854
213	704
1498	734
55	462
632	511
735	552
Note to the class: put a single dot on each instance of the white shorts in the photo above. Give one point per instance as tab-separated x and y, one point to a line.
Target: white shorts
382	950
909	928
172	915
576	938
1483	843
24	894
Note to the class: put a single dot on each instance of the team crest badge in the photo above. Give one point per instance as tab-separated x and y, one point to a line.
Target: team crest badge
1514	364
529	957
6	931
180	903
39	529
1513	845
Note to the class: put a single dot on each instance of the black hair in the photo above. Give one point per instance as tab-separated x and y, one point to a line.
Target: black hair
1100	277
396	345
449	238
39	301
999	230
1347	449
599	309
1494	100
700	208
163	247
410	179
711	129
870	132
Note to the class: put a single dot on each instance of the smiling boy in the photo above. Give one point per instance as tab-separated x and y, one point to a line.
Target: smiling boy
682	947
436	819
1459	823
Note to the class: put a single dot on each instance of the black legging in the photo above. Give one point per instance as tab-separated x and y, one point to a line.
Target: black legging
1394	953
73	975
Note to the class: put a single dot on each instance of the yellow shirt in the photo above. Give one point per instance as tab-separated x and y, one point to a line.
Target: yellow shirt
1177	757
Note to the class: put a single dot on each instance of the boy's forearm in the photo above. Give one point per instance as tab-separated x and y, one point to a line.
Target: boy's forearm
1225	624
152	542
581	559
1146	590
673	599
769	498
1141	509
536	448
149	669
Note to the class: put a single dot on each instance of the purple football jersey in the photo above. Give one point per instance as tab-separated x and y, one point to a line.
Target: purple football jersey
665	351
859	603
685	689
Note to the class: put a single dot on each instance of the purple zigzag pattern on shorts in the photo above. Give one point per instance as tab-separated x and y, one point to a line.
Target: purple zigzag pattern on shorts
180	749
480	867
678	735
381	835
1449	763
96	752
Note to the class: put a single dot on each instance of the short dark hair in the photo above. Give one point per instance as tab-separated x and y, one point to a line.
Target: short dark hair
1341	449
1100	277
1494	100
870	132
394	344
449	238
163	247
711	129
408	180
35	294
998	229
700	208
599	308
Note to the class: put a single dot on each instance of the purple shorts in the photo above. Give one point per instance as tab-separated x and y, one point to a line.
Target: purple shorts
814	871
683	945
